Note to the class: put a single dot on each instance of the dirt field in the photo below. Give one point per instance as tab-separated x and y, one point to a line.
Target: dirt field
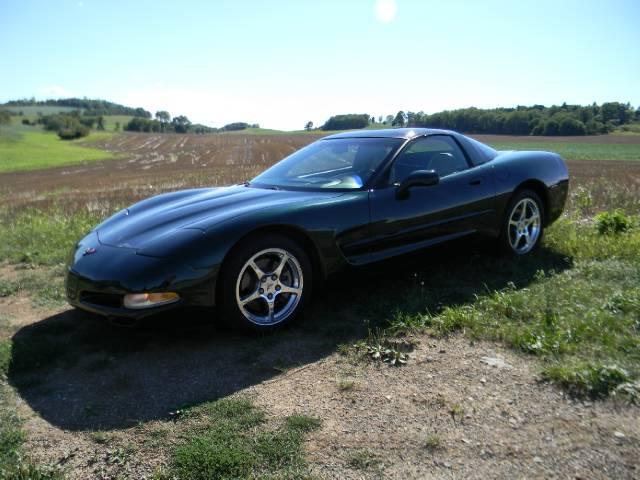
150	163
102	401
103	407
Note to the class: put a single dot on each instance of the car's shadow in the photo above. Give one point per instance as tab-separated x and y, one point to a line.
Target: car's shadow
81	373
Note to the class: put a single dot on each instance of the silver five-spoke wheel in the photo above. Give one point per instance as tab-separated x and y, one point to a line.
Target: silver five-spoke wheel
524	226
269	286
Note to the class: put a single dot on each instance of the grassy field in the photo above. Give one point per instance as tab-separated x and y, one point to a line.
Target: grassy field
574	306
576	150
32	111
30	149
111	120
571	311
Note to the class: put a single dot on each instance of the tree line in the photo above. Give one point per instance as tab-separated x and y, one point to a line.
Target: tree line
344	122
88	106
164	123
562	119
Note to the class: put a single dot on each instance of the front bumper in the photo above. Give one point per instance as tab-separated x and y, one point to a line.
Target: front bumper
92	297
97	282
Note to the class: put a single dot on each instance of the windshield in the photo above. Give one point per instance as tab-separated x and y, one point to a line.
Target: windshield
341	163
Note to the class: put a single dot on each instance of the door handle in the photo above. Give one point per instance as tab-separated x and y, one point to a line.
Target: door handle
475	181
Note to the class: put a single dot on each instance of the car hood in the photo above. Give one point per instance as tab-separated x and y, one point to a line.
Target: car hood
172	213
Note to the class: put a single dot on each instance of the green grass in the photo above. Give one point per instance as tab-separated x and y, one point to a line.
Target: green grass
363	460
111	120
42	238
33	149
231	439
577	150
630	129
432	442
45	287
14	464
583	323
33	110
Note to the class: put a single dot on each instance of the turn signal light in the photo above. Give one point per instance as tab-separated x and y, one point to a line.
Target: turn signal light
147	300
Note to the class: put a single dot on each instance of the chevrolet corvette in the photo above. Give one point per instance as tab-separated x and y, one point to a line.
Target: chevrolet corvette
255	250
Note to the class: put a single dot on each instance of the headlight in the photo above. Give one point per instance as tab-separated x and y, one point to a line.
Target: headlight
147	300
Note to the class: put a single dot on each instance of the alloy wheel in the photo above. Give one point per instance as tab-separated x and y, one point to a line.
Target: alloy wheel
524	226
269	286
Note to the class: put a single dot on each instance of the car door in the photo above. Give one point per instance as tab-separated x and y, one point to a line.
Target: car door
461	203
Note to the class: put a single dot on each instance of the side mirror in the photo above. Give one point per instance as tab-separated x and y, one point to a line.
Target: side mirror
419	178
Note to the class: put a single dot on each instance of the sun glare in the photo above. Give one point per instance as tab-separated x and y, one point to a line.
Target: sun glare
386	10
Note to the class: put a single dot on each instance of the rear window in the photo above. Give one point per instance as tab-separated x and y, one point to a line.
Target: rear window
479	152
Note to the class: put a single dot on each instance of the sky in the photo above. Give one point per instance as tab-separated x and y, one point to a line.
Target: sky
283	63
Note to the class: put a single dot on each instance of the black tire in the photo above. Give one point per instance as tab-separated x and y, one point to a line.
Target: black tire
509	232
232	315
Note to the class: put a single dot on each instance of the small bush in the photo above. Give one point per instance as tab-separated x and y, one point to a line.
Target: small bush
614	222
363	460
432	442
73	132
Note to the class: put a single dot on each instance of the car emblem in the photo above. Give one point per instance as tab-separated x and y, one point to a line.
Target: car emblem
89	251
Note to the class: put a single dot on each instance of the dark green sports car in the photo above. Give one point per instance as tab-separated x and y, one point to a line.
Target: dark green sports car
255	250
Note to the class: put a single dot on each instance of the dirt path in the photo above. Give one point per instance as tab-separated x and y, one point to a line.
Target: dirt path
447	414
487	421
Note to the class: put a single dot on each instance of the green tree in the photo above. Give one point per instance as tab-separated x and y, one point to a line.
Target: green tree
308	126
163	116
551	127
399	119
347	122
5	117
100	123
181	124
571	126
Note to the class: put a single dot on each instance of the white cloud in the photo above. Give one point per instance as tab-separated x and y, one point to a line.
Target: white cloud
54	91
386	10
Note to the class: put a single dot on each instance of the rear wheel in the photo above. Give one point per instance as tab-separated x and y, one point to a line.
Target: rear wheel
523	225
266	283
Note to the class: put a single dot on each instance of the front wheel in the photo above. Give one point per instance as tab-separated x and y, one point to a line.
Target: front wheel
266	283
523	225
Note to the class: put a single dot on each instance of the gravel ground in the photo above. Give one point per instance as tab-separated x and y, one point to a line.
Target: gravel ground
488	421
458	409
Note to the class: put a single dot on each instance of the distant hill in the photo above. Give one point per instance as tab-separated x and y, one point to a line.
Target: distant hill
89	107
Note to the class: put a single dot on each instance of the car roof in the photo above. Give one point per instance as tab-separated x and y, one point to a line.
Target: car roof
406	133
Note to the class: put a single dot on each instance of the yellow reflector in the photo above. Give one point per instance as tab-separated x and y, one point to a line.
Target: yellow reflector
146	300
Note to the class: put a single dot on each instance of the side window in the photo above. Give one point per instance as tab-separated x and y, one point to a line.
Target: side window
437	152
